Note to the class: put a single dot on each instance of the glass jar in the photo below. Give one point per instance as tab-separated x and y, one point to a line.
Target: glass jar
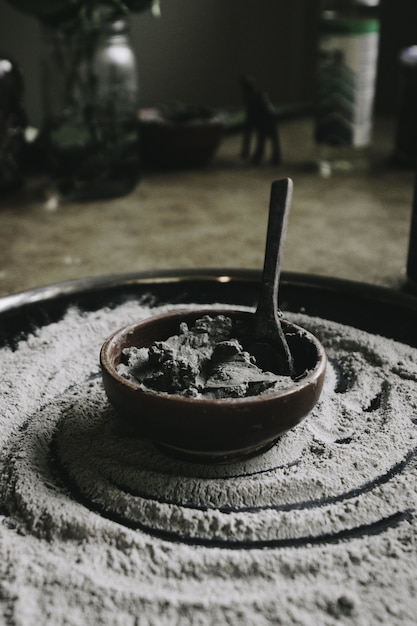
90	96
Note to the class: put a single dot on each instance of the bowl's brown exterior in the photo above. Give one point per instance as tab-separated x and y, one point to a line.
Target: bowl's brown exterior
203	425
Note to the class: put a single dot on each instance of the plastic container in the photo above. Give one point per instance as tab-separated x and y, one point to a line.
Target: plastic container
346	78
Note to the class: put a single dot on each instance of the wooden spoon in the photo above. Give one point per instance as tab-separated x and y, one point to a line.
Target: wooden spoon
267	340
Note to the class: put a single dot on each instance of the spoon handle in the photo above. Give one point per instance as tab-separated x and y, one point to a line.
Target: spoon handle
279	208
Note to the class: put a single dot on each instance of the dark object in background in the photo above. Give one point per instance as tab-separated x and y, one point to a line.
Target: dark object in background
405	151
179	136
261	120
12	125
412	248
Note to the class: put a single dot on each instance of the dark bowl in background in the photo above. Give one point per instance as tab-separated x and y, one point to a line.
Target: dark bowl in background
179	136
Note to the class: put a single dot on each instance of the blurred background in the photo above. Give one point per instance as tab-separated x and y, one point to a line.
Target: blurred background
196	50
354	226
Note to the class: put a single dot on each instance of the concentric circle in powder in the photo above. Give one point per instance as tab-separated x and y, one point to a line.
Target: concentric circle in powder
340	474
99	527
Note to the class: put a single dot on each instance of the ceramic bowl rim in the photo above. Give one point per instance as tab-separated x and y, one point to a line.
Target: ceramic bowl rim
309	378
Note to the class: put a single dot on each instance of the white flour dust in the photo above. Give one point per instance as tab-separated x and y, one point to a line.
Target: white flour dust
100	528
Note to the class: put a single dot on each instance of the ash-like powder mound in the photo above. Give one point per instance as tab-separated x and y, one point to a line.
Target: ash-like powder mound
97	527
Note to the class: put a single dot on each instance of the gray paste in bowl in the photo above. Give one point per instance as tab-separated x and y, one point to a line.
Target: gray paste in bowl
205	360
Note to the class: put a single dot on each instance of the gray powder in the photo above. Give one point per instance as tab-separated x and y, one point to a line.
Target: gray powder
100	528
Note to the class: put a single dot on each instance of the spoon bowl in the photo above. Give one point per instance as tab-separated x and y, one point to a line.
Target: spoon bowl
210	430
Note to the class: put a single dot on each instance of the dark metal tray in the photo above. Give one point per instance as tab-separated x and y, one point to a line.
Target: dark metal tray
375	309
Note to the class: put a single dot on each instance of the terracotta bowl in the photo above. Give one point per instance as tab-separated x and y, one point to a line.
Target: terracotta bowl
204	429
